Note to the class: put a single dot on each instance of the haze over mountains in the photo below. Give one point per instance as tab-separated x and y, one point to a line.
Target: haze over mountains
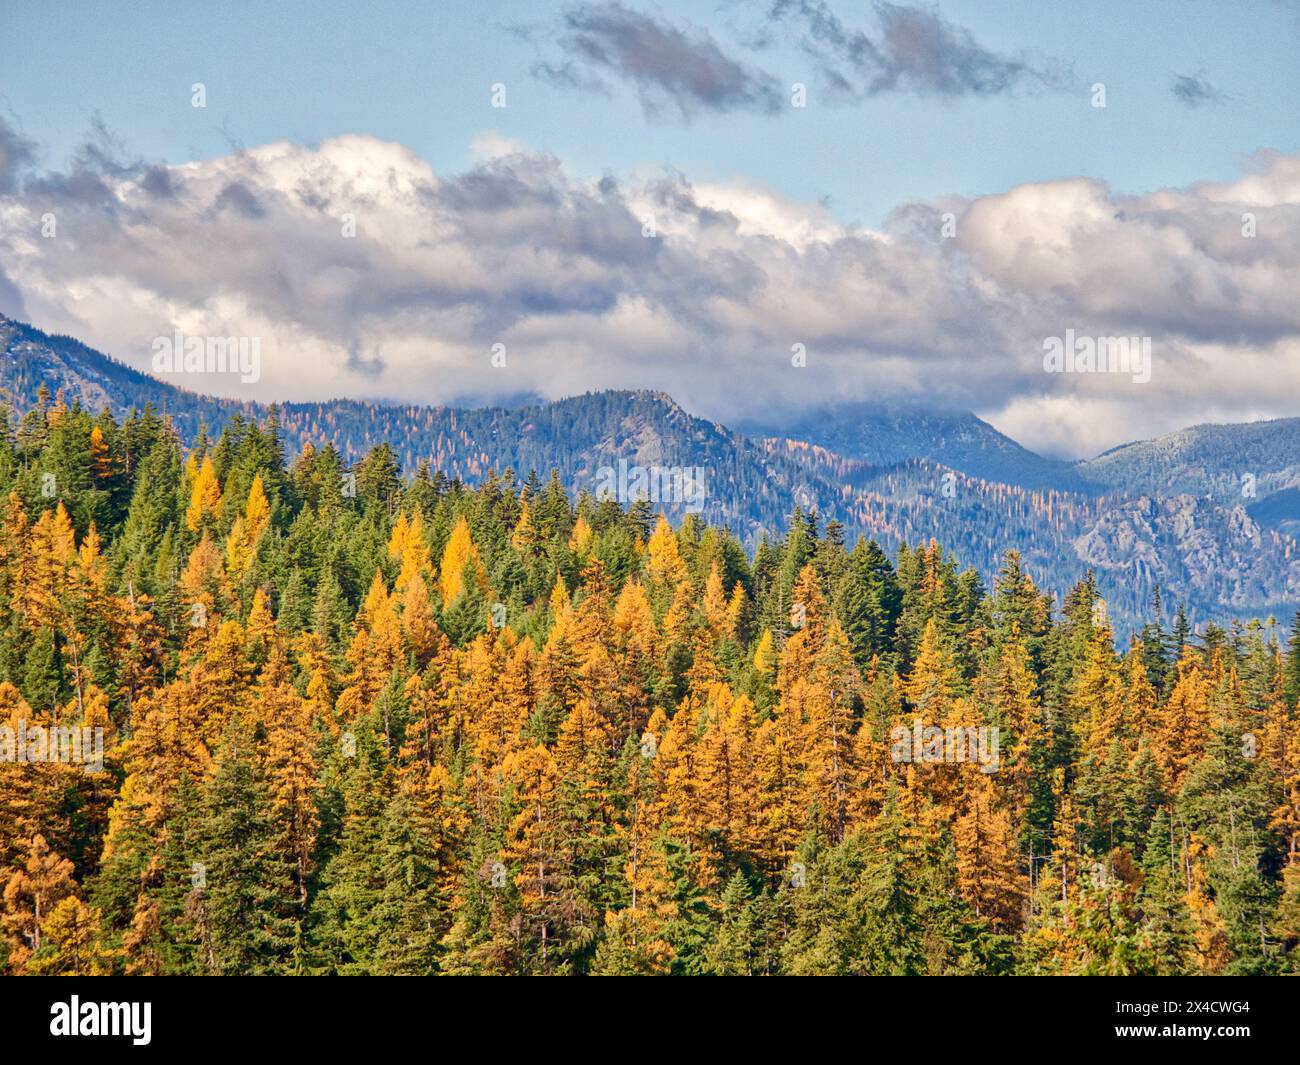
1206	515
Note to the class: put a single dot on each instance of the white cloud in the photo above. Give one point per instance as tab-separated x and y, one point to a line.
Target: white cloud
518	251
492	145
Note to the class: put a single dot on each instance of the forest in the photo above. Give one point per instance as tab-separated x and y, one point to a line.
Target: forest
355	723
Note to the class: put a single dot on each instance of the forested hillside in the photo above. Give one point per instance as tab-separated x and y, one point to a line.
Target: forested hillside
359	723
887	434
1227	462
32	361
901	476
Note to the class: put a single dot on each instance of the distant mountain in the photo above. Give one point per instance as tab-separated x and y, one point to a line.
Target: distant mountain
1229	463
1216	559
895	476
30	359
882	434
1188	543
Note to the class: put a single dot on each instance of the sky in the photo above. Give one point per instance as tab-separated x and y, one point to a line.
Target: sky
651	208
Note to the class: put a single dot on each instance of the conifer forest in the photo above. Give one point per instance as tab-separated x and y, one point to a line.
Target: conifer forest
648	488
351	722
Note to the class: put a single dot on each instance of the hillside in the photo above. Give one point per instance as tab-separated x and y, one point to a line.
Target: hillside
884	435
419	728
1205	460
30	358
894	476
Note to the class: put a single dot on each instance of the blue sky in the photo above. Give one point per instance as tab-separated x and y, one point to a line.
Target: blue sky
420	74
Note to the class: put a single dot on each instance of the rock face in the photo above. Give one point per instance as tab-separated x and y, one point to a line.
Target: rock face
1192	546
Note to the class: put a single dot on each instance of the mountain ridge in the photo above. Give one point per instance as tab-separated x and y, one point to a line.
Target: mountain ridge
882	434
1237	460
1215	554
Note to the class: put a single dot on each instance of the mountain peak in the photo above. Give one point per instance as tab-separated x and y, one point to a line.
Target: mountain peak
884	434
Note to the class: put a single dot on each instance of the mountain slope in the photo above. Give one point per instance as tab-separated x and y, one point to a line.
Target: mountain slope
1279	510
1206	460
900	484
884	435
30	358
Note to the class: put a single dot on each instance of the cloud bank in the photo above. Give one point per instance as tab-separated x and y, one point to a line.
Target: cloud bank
704	291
